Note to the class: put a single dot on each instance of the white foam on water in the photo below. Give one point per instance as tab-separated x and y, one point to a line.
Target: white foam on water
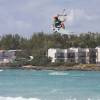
58	73
17	98
82	99
54	91
72	99
21	98
1	70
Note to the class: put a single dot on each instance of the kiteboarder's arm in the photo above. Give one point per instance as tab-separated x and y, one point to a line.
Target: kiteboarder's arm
53	24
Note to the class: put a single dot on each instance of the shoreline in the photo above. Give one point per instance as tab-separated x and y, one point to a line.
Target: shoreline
80	67
64	68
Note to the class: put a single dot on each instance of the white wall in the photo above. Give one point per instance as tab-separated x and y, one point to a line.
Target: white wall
87	55
98	55
51	53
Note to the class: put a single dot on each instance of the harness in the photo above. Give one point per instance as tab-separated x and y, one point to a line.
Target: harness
58	24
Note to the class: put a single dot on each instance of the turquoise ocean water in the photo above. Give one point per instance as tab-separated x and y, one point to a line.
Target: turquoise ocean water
49	85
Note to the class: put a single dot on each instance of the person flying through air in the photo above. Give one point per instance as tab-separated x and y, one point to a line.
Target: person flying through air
58	22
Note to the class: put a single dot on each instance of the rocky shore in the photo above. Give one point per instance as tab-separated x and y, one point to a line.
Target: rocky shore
79	67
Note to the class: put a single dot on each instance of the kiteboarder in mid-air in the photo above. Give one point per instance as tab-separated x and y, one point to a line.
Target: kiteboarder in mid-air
58	23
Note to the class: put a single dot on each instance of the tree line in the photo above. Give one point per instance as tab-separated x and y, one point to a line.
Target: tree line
38	44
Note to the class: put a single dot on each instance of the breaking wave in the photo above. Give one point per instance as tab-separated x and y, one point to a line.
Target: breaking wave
58	73
85	99
1	70
22	98
17	98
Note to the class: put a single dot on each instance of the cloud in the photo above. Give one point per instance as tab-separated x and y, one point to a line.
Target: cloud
28	16
77	15
70	17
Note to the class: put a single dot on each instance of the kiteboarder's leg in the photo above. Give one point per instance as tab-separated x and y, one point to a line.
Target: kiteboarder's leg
62	25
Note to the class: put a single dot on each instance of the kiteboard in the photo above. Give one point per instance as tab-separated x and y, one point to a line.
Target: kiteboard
61	31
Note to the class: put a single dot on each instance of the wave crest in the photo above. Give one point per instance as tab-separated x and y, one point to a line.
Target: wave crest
58	73
1	70
17	98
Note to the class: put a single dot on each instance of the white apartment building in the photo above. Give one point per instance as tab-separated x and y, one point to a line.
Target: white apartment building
76	55
7	56
57	54
65	55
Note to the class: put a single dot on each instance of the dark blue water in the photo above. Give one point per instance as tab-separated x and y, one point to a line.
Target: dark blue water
49	85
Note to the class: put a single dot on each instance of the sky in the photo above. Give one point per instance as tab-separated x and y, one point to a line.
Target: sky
28	16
